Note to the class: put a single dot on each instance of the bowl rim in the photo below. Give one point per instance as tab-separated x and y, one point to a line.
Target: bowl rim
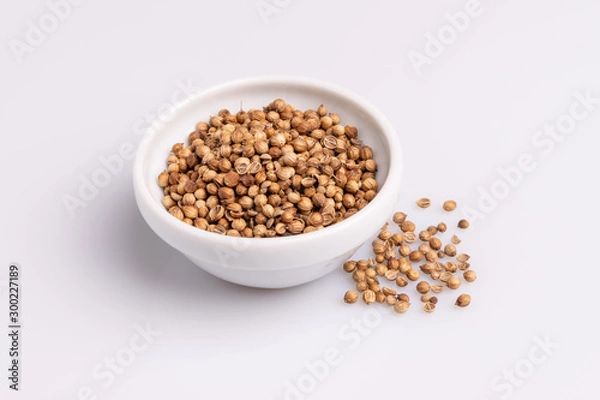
389	187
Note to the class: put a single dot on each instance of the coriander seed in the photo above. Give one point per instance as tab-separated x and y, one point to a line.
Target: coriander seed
453	282
450	250
369	297
401	306
423	287
442	227
463	300
463	224
350	297
349	266
455	239
470	275
413	275
449	205
399	218
401	281
423	202
462	258
429	307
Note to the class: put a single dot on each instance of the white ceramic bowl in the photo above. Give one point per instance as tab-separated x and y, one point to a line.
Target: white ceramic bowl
281	261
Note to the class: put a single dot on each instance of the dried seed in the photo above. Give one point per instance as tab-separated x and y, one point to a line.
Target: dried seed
423	287
423	202
350	297
437	288
455	239
453	282
407	226
424	236
463	300
449	205
429	307
410	237
401	281
388	291
445	276
442	227
464	266
349	266
415	256
379	297
435	243
462	258
470	276
450	250
413	275
391	275
399	218
362	286
369	296
463	224
450	267
390	299
401	306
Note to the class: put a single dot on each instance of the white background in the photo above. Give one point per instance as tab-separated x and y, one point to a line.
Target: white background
89	279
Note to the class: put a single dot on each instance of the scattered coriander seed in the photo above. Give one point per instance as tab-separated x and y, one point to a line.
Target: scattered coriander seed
429	307
401	281
381	269
362	286
442	227
427	268
433	230
441	254
410	237
413	275
425	297
391	274
404	297
370	273
435	243
390	299
401	306
415	256
464	266
445	276
399	217
359	275
424	236
435	275
380	297
450	267
453	282
349	266
463	224
423	287
405	266
407	226
388	291
462	258
351	297
470	275
431	256
423	202
368	296
463	300
404	250
455	239
450	250
424	248
449	205
437	288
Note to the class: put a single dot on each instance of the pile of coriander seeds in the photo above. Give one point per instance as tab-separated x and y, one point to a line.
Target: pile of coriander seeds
273	172
406	256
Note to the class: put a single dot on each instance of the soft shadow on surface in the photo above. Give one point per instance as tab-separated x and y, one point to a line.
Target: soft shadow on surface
145	257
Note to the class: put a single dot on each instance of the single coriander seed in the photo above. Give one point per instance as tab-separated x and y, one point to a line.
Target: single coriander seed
463	224
429	307
369	296
449	205
453	282
442	227
423	202
399	217
463	300
351	297
470	275
423	287
455	239
401	306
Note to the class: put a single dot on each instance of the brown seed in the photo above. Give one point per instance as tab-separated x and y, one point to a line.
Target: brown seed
401	306
423	202
415	256
455	239
350	297
391	274
433	230
426	297
442	227
390	299
163	179
388	291
445	276
437	288
369	296
470	276
427	268
404	250
450	250
404	297
449	205
413	275
463	224
453	282
410	237
399	217
462	258
362	286
379	297
464	266
435	243
359	275
424	236
401	281
431	256
349	266
450	267
407	226
423	287
463	300
429	307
